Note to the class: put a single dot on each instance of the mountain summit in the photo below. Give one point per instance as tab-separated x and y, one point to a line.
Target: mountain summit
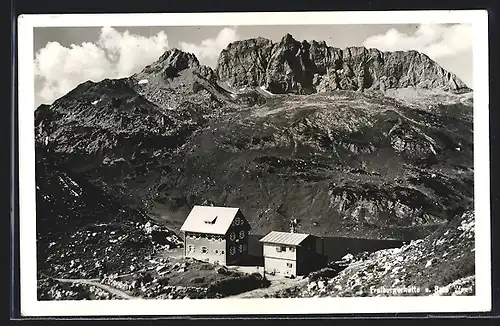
290	66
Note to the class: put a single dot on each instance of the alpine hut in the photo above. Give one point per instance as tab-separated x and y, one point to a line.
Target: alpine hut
216	234
288	254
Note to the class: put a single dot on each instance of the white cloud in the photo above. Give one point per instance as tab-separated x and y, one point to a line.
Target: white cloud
209	49
434	40
114	55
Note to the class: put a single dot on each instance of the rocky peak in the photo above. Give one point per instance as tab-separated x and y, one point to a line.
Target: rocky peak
288	39
169	65
290	66
254	53
179	59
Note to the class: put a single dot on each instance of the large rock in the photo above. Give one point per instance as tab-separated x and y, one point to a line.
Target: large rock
290	66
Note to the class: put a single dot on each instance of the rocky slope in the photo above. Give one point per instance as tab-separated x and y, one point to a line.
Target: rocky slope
441	264
344	162
83	231
290	66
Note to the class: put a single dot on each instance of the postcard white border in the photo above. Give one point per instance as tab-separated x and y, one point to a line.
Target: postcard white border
31	307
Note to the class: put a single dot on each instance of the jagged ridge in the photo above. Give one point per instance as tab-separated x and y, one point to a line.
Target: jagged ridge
290	66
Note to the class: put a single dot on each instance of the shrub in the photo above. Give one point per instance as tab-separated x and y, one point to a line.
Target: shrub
244	283
198	280
197	87
163	281
206	266
136	243
326	272
147	278
170	72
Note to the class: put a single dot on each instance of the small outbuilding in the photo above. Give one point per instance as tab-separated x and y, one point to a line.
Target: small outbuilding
216	234
288	254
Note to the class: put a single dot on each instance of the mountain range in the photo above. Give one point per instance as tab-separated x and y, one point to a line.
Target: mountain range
354	142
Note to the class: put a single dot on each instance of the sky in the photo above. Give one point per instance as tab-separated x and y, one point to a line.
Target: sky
67	56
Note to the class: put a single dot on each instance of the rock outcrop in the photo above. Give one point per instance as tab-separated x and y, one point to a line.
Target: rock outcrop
290	66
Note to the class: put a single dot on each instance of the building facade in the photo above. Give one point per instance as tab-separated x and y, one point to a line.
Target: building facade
216	234
288	254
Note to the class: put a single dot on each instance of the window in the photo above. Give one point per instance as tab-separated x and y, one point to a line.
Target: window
204	250
242	234
190	248
292	249
280	248
220	239
216	251
240	248
222	252
237	221
232	250
289	265
211	220
232	236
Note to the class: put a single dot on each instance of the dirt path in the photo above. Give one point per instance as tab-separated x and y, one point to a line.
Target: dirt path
105	287
283	284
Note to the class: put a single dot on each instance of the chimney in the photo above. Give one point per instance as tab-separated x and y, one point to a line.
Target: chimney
293	225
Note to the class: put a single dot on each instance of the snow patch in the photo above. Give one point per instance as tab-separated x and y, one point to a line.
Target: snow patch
66	186
62	182
74	193
440	242
143	81
95	102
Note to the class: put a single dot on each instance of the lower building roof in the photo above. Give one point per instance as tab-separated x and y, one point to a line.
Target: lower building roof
284	238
